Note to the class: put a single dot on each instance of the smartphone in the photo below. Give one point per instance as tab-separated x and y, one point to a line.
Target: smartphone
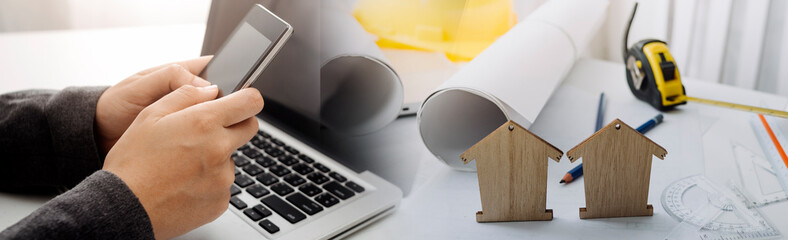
248	50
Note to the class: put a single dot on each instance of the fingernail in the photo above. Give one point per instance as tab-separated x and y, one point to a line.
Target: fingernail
199	82
209	88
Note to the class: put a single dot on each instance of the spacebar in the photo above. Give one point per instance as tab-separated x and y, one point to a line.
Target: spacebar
284	209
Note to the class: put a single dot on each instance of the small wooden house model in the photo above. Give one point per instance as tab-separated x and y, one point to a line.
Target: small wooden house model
511	164
616	168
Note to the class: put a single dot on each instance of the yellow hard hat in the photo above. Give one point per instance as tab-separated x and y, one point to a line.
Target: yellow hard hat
460	28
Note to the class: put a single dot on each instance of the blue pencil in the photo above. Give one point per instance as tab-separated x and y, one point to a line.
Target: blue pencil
572	174
650	124
578	171
599	114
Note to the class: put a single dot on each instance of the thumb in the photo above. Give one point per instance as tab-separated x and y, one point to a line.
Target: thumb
183	97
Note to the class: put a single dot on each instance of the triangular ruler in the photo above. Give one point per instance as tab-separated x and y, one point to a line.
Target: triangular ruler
773	143
758	178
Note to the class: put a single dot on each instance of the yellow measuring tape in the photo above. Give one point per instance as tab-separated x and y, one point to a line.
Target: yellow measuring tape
760	110
653	77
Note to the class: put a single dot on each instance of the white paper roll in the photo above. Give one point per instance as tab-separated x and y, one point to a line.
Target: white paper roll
511	80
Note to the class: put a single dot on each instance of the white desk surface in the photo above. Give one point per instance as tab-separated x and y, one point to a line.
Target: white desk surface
443	202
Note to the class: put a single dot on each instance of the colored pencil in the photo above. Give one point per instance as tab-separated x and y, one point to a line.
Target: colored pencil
578	171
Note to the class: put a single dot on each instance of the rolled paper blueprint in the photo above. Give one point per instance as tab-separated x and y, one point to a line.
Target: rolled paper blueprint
331	71
511	80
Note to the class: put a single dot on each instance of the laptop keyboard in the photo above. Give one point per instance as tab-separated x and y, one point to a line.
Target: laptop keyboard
284	182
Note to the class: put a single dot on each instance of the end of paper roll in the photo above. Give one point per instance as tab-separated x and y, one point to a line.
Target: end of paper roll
359	94
452	120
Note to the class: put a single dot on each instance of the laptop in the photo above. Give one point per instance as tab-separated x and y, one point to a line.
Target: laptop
284	188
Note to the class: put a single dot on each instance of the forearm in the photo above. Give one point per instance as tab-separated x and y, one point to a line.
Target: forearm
47	137
100	207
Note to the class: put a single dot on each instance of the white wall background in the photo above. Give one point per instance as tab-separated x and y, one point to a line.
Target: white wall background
735	42
33	15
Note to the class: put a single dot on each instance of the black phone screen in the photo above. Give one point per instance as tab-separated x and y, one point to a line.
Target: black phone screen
237	59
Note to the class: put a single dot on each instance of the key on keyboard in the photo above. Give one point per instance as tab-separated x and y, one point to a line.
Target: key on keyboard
318	178
262	210
308	189
303	203
273	152
354	186
284	209
240	161
294	179
252	214
267	179
251	153
234	190
303	169
326	200
257	190
269	226
265	161
306	158
291	150
237	203
243	181
337	176
260	143
253	169
281	189
279	170
338	190
263	134
321	167
287	160
277	142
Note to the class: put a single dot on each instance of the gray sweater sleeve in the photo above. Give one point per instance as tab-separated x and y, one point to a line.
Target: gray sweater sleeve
100	207
47	140
48	134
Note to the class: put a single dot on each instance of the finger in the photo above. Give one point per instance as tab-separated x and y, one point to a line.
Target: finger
195	66
241	132
182	98
235	107
231	165
163	81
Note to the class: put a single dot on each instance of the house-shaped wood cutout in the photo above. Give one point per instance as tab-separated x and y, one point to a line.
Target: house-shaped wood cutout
511	164
616	169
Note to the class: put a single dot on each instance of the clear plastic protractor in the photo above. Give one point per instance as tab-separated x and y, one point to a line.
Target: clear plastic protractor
705	211
682	198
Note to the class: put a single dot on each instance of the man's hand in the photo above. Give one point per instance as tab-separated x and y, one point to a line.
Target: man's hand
175	156
119	105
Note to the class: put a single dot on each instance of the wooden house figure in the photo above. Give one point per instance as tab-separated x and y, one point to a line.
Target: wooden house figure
616	169
511	164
